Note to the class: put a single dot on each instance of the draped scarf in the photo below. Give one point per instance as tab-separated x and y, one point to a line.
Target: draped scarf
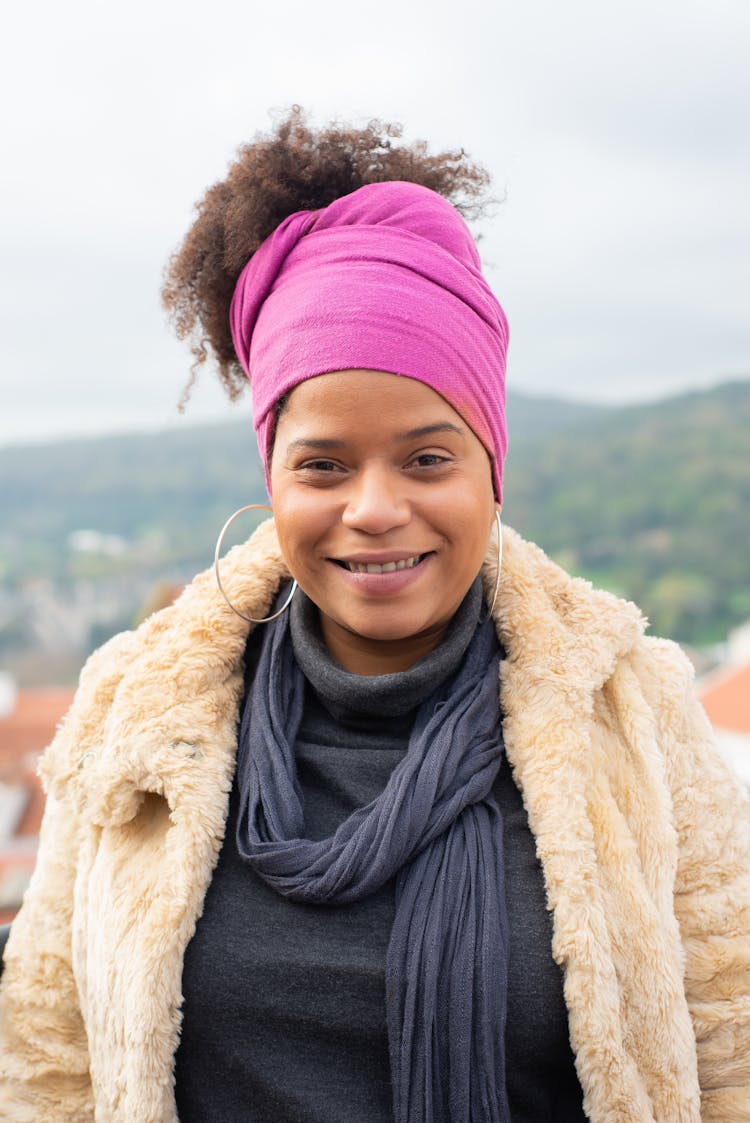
435	829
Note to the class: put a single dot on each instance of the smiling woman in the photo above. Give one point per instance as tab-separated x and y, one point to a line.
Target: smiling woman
430	834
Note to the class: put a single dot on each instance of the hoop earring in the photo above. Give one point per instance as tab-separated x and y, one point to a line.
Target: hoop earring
217	551
499	527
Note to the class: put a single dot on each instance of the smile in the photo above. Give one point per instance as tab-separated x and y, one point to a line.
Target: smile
385	567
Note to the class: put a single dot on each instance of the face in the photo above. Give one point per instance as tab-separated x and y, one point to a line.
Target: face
383	504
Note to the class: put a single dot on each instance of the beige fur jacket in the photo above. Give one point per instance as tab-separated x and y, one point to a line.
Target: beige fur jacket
643	834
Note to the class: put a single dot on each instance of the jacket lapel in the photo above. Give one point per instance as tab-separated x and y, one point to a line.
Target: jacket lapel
563	642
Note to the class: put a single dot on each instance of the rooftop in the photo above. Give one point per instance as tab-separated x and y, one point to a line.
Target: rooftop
28	720
726	698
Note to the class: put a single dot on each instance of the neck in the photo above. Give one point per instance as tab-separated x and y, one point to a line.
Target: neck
361	655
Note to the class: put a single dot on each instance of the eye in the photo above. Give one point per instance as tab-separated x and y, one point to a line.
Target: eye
429	460
320	472
319	466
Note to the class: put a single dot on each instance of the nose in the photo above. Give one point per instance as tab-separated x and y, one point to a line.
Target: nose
377	502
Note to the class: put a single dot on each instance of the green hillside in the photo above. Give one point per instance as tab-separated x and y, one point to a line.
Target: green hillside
651	501
178	486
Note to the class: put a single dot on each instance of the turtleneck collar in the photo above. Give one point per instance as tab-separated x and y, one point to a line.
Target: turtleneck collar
348	696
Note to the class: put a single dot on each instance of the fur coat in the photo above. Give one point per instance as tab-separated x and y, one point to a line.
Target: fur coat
642	832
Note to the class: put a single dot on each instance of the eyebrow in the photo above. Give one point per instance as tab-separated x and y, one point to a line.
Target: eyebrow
327	444
426	430
317	443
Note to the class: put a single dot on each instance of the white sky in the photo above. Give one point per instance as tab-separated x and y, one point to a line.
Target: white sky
619	133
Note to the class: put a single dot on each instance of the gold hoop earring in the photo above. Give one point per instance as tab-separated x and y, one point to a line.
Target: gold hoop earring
499	527
217	551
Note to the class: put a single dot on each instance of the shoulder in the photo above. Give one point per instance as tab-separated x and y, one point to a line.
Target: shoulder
665	674
536	593
80	728
187	658
709	803
696	769
560	630
557	629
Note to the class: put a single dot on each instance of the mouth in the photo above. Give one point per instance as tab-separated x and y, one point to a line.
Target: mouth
378	567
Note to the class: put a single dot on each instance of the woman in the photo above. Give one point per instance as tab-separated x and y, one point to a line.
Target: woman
302	859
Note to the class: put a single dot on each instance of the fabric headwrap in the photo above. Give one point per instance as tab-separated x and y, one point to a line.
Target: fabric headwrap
387	278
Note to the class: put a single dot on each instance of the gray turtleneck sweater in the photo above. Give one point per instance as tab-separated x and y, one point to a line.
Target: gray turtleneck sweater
284	1012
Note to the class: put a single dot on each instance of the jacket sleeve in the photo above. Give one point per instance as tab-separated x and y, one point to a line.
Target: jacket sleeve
712	895
44	1060
44	1068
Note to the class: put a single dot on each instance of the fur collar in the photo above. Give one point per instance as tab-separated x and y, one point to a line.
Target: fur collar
153	702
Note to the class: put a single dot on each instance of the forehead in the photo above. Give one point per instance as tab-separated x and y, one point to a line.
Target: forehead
364	400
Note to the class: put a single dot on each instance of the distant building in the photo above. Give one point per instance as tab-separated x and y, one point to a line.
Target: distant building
28	719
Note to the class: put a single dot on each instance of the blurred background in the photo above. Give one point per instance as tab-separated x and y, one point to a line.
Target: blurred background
617	138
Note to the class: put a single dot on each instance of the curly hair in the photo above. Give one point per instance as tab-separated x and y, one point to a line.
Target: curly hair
294	167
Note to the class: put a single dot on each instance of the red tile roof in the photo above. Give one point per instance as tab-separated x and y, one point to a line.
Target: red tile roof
24	733
16	869
726	697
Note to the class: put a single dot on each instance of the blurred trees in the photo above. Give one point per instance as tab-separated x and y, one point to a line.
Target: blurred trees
652	502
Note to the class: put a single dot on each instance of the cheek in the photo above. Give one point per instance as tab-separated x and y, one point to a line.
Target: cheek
473	522
474	540
300	524
466	529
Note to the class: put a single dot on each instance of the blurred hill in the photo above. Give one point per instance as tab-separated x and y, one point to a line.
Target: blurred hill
175	487
172	484
651	501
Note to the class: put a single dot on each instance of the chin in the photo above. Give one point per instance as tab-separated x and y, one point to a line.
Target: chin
381	630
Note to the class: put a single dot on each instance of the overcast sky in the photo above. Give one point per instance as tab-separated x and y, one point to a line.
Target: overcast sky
618	133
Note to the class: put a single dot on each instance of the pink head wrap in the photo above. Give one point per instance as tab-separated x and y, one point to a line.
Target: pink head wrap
386	278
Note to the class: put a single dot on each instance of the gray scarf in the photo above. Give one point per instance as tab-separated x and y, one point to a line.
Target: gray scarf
438	831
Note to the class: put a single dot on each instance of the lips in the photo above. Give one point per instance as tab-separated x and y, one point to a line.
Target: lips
381	567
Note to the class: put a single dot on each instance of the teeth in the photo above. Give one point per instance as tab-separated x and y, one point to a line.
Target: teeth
388	567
